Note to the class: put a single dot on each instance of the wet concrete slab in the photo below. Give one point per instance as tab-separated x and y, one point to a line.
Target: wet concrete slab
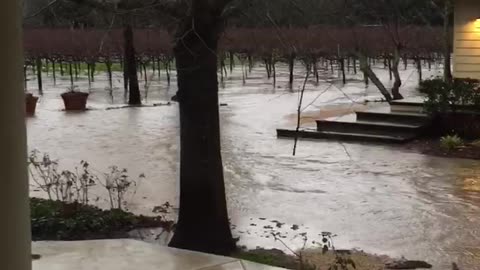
128	255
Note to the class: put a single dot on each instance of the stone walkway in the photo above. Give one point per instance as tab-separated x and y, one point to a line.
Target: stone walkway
128	255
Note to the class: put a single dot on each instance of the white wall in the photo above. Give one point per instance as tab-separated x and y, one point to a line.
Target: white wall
467	39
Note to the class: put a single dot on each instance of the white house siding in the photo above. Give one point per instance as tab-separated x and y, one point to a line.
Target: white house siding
467	39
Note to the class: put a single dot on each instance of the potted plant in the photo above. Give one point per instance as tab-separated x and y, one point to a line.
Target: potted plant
74	100
30	104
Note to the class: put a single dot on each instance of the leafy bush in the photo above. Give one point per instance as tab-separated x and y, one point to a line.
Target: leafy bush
445	96
450	142
56	220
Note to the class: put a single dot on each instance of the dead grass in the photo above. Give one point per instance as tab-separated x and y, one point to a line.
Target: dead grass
363	261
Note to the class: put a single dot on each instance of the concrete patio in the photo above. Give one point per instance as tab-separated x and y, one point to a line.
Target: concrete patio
127	255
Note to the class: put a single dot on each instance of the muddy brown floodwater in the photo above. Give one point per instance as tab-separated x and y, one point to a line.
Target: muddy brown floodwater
376	198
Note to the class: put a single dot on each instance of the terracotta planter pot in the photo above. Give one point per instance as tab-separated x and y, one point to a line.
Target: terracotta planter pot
30	104
75	101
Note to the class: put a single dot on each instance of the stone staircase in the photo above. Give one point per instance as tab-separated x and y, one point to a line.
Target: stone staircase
400	122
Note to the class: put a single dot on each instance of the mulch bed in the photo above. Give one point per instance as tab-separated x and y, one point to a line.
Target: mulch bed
55	220
431	146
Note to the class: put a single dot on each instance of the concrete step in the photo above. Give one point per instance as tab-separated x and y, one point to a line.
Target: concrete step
370	128
362	137
414	106
405	118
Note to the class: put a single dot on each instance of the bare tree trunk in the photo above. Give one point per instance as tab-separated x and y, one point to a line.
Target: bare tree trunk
92	70
108	63
299	110
145	75
365	79
75	64
25	78
203	223
232	61
365	67
418	63
390	71
398	81
70	71
267	68
291	67
38	63
250	63
167	70
447	69
61	69
355	65
131	66
47	67
88	75
159	68
54	73
274	73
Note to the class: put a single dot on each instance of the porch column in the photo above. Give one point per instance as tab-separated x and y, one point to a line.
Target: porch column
15	240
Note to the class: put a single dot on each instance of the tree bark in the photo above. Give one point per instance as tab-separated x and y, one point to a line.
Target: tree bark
342	67
70	71
365	67
76	69
267	68
291	67
38	63
398	81
232	61
54	73
131	66
88	75
447	69
274	73
167	70
25	78
92	70
108	63
418	63
203	223
250	63
390	71
159	66
355	65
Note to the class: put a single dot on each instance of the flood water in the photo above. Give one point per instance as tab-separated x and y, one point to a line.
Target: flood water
374	197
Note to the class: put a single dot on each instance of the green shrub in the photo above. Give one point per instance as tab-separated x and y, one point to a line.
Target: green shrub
56	220
442	96
450	142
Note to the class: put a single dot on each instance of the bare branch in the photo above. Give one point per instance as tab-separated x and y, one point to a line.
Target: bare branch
40	11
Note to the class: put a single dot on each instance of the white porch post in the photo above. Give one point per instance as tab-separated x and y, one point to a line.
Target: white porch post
15	240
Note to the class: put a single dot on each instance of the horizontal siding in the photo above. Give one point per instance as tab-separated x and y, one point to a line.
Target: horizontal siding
471	35
468	52
467	39
471	44
466	59
472	75
467	68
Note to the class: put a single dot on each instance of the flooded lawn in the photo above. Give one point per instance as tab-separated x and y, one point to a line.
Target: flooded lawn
376	198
